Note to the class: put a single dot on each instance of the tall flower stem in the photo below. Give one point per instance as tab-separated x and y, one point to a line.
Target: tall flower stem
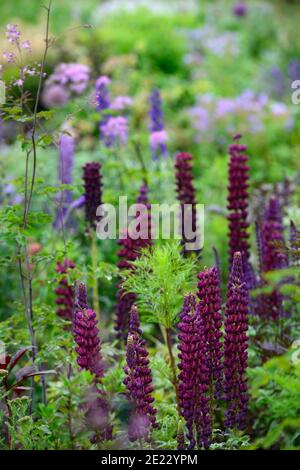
94	257
169	343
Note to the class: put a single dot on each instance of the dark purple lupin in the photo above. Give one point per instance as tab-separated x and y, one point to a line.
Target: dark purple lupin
86	335
235	346
138	382
129	252
238	201
93	191
210	303
194	377
273	256
64	292
186	195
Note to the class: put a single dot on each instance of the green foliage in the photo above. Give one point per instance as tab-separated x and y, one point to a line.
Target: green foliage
160	278
275	388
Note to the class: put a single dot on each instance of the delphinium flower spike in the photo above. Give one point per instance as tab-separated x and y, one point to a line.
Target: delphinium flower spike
158	134
92	191
186	195
102	97
194	377
138	382
235	346
238	201
64	292
129	252
209	307
65	167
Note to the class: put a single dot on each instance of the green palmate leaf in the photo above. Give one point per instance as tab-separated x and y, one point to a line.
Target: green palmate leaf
160	279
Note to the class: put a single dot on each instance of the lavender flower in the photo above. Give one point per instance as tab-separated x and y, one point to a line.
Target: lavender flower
186	195
194	378
12	33
129	252
158	135
115	131
238	202
240	9
93	190
86	335
209	307
54	96
64	292
72	77
235	346
138	382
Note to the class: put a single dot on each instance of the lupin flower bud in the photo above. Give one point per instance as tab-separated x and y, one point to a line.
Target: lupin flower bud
81	301
209	307
86	335
129	252
64	292
235	346
93	191
138	382
186	195
238	201
194	377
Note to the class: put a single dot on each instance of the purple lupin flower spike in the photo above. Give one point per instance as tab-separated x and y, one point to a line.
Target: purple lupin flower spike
273	254
138	382
158	135
93	191
65	168
235	346
294	244
129	252
194	377
209	308
86	335
186	195
238	201
64	292
81	301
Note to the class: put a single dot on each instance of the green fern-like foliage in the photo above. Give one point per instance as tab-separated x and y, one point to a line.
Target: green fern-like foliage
160	278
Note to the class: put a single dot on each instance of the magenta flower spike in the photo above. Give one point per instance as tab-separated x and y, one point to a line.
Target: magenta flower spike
92	191
86	335
138	382
235	346
129	252
238	201
186	195
210	303
64	292
194	377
